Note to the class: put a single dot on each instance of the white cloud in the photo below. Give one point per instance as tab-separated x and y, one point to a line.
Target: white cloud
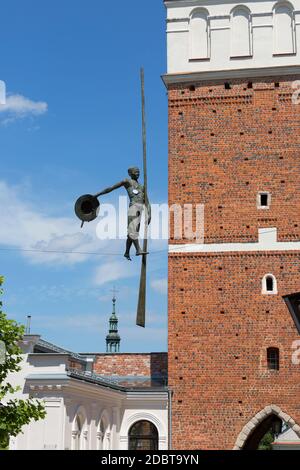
19	107
114	270
160	285
26	227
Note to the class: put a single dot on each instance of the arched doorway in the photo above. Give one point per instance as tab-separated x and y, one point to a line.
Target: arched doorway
143	435
264	433
270	420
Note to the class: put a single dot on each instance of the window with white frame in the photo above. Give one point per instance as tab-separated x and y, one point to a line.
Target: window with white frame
263	200
143	435
269	284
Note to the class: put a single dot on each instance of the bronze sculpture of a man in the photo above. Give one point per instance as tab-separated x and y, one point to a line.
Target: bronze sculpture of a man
138	201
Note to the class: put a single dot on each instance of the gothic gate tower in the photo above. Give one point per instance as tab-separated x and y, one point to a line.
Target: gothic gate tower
234	146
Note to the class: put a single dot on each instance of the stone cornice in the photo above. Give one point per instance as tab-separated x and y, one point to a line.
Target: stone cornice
188	77
81	380
176	3
146	395
267	242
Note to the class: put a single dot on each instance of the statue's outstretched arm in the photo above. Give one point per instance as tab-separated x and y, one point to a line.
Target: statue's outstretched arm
111	188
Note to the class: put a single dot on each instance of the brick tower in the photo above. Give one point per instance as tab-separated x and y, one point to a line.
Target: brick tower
234	146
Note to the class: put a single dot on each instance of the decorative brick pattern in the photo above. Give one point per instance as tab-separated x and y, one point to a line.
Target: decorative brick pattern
227	145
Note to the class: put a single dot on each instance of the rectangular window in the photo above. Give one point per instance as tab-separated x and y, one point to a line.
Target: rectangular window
273	358
263	200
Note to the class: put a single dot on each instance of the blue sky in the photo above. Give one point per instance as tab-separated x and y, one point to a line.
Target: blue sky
71	126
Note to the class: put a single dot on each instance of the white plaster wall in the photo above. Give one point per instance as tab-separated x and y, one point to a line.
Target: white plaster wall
267	241
18	379
44	434
178	18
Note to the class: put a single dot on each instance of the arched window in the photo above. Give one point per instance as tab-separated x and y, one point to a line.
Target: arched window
269	284
199	35
80	431
143	435
273	358
100	436
103	436
284	29
77	434
240	32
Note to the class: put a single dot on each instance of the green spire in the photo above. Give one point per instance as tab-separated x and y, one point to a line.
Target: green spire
113	338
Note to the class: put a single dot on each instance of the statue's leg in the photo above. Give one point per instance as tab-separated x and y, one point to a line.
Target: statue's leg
130	229
128	246
137	247
134	222
136	243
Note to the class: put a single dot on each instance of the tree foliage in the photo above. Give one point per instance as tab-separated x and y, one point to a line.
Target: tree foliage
14	413
267	440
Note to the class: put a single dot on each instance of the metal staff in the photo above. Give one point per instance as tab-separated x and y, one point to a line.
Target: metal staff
141	309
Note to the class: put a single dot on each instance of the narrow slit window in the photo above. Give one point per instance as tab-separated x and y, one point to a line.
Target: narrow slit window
273	358
270	284
264	200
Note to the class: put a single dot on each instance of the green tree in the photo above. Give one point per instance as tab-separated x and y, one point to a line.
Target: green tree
15	413
267	440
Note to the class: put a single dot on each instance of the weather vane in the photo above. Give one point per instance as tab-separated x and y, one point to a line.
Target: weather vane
87	209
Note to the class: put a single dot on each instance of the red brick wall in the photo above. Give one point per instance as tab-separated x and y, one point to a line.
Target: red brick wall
149	365
73	364
220	324
221	154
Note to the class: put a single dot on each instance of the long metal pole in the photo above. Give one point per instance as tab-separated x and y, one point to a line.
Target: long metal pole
141	309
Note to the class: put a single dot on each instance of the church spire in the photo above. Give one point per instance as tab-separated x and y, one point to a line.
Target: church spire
113	338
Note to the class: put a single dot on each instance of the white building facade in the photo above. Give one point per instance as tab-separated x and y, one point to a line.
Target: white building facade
214	38
86	411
